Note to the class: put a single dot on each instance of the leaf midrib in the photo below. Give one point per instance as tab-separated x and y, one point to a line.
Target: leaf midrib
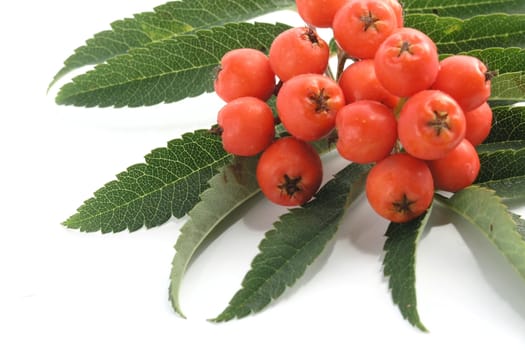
254	292
137	80
141	197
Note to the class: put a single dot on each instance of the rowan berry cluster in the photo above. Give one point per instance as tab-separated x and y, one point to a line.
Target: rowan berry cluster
397	106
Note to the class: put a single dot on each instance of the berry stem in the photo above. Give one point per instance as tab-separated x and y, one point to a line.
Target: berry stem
399	106
341	61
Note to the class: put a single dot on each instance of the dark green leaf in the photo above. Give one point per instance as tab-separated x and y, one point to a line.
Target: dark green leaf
453	35
399	265
501	160
165	71
229	189
167	21
463	8
297	239
508	188
508	124
485	210
168	184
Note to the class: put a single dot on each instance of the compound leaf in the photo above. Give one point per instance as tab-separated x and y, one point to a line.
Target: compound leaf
453	35
167	70
296	240
149	194
229	189
399	265
486	211
166	21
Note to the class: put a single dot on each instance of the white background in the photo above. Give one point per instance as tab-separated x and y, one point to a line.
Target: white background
62	289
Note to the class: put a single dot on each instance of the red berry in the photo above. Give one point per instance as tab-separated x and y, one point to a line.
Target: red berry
479	124
319	13
466	79
361	26
359	82
458	169
289	172
400	187
298	51
431	124
407	62
367	131
247	126
245	72
307	105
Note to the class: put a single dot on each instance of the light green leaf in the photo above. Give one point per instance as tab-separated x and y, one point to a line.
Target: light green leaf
463	8
149	194
294	243
520	224
485	210
399	265
229	189
499	59
165	71
453	35
166	21
508	124
508	87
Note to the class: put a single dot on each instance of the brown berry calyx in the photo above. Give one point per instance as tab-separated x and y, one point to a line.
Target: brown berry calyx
290	185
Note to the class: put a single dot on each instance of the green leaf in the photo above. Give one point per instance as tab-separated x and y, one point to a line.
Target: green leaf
463	8
453	35
485	210
508	124
501	60
166	21
229	189
399	265
508	87
508	188
165	71
501	161
520	224
294	243
149	194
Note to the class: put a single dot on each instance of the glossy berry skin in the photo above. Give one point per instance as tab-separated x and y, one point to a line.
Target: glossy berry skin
319	13
289	172
431	124
244	72
479	124
407	62
367	131
398	11
298	51
359	82
458	169
400	187
247	126
466	79
307	105
361	26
